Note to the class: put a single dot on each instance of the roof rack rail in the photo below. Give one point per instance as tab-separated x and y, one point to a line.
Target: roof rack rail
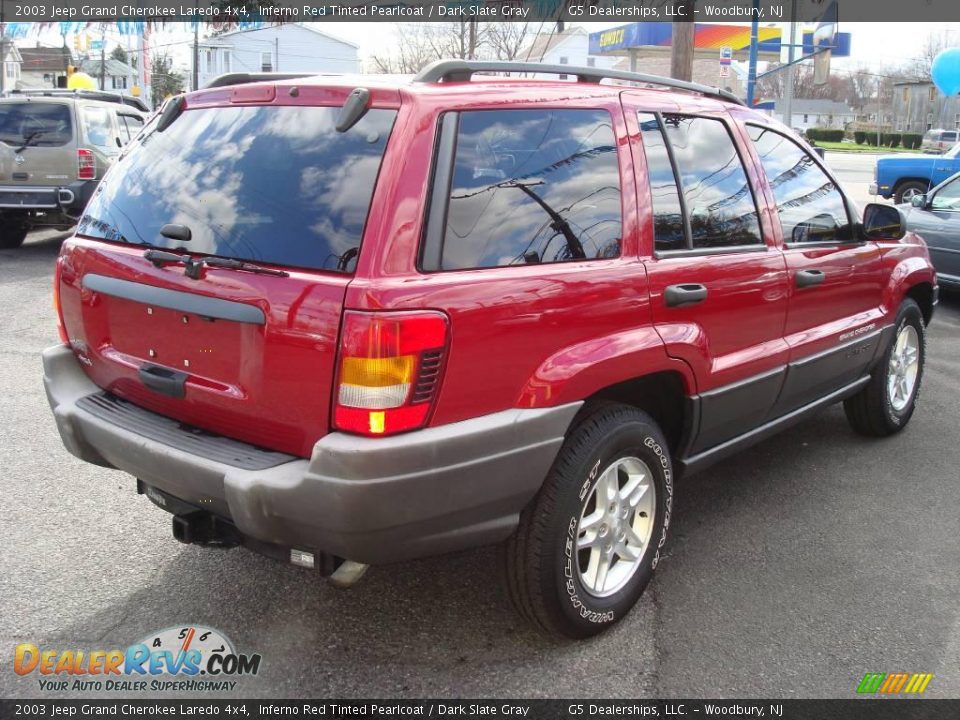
89	94
463	70
241	78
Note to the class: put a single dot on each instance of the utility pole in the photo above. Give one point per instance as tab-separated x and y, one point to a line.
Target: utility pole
791	54
754	42
276	53
471	39
196	55
681	44
103	60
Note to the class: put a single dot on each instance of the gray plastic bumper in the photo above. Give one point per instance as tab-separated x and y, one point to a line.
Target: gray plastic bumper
371	500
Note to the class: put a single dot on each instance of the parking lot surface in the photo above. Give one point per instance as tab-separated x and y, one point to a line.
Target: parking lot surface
794	568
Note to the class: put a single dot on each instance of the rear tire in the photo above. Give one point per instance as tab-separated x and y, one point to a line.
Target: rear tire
904	191
577	564
12	233
886	404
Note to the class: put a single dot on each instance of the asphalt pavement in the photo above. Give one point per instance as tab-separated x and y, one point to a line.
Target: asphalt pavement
855	172
794	568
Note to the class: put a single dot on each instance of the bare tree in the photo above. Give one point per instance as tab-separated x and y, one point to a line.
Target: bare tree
414	48
919	67
862	88
418	44
505	40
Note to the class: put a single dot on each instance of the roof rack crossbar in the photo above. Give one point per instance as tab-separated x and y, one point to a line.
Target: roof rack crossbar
242	78
463	70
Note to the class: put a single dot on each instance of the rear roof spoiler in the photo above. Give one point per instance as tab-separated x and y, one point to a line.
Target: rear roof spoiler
244	78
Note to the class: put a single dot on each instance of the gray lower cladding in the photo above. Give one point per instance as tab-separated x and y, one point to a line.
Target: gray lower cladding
372	500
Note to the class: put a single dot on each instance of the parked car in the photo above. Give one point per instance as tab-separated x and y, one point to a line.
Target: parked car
902	176
936	217
938	142
54	149
342	322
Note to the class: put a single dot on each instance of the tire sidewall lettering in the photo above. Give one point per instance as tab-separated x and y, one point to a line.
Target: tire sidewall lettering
582	604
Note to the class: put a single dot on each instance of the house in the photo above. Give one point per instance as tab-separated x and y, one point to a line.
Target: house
44	67
918	106
290	47
116	75
570	47
816	113
10	65
873	113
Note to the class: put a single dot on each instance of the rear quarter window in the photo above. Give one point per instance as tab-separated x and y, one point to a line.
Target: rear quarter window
37	124
531	187
98	128
266	184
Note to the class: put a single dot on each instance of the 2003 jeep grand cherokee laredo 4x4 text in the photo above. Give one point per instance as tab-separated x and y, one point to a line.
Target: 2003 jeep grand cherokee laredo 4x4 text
348	325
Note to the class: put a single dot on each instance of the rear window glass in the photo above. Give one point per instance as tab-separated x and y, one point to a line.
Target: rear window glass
35	124
265	184
533	186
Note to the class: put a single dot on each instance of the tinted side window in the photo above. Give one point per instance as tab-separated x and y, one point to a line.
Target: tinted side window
810	206
532	186
130	125
948	198
718	198
668	230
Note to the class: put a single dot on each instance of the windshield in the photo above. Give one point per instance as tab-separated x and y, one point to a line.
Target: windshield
952	152
265	184
37	124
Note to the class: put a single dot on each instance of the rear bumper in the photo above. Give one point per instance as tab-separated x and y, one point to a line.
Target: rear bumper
369	500
69	198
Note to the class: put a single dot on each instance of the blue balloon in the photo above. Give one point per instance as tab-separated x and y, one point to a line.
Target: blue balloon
945	71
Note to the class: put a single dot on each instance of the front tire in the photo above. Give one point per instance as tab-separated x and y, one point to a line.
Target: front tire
588	544
907	190
886	404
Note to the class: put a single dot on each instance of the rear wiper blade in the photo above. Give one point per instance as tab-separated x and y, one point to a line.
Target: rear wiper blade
232	264
195	264
158	257
28	140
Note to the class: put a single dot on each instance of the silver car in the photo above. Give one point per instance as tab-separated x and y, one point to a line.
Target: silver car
935	216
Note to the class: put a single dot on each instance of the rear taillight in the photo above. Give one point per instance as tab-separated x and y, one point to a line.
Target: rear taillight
389	372
61	328
86	165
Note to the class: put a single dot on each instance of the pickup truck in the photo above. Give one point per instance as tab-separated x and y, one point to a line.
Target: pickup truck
902	176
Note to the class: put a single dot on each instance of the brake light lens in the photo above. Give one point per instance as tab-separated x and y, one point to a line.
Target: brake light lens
389	372
57	308
86	165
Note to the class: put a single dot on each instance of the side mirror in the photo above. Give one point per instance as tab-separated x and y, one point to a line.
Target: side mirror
918	201
883	222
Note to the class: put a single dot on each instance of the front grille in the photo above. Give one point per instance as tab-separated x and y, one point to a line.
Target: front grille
177	435
430	363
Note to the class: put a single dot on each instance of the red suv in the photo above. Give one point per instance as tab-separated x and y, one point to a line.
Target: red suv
344	322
